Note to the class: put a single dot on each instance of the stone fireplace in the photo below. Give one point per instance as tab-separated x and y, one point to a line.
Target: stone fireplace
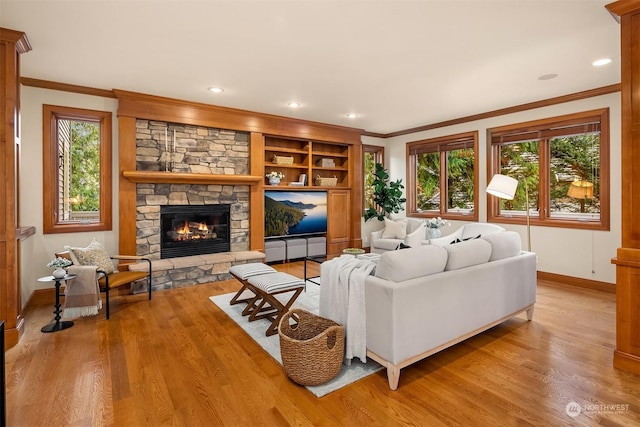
196	150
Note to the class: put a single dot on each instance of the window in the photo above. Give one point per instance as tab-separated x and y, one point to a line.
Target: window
77	170
563	164
372	154
441	176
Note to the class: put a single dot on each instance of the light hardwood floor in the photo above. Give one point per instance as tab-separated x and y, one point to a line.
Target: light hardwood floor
178	360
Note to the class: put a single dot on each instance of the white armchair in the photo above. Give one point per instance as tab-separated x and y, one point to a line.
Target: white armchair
409	231
465	232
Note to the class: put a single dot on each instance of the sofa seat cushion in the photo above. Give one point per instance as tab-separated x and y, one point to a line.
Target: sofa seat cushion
398	266
388	244
503	245
467	253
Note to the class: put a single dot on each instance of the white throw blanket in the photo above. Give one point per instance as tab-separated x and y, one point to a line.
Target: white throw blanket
342	299
82	294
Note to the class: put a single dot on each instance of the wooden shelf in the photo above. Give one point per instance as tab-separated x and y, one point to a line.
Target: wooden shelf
155	177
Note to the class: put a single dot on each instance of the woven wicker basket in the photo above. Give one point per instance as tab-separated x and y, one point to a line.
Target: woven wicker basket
326	182
282	160
312	348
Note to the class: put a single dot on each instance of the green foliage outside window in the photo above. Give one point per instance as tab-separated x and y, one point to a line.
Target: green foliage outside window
460	180
369	170
85	166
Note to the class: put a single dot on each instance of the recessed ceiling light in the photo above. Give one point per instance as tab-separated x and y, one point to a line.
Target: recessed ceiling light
351	115
548	76
216	89
601	62
294	104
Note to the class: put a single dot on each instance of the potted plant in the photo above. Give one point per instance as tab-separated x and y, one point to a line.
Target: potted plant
387	195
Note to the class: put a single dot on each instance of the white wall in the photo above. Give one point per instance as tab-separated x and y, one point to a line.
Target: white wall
39	249
578	253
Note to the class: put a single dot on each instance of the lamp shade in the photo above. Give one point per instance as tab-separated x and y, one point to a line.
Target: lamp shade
503	186
581	190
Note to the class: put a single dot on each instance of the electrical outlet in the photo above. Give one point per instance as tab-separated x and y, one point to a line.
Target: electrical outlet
365	240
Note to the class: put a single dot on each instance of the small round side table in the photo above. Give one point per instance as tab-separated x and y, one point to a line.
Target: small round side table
57	325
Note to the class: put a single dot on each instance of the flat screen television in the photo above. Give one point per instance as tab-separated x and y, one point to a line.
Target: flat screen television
294	213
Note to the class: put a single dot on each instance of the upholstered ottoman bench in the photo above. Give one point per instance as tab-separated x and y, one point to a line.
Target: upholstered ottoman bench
296	248
267	287
264	283
316	246
274	250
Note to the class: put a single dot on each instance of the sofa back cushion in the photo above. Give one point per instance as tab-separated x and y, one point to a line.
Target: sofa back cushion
479	229
407	264
467	253
503	245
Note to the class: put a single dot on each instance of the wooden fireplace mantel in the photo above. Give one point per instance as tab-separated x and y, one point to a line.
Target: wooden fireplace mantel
157	177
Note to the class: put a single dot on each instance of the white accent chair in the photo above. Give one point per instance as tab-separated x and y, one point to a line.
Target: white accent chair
467	231
409	231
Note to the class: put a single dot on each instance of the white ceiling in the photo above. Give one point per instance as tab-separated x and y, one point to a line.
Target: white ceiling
398	64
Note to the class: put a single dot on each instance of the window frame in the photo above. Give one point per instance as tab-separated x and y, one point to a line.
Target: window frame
50	165
378	157
544	128
438	143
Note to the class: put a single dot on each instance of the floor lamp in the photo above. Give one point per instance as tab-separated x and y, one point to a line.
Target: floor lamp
504	187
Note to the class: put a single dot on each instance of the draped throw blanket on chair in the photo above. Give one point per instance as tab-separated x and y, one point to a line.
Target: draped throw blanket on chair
82	294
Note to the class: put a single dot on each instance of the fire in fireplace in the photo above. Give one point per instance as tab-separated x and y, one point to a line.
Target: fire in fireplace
194	230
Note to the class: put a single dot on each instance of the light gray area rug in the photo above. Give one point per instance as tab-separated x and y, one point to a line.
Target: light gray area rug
308	301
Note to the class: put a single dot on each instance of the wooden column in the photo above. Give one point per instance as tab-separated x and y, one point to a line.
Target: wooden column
627	353
12	44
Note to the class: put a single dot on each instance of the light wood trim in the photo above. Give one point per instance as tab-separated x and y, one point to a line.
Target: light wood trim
127	189
544	219
189	178
256	195
50	194
151	107
578	281
65	87
627	353
12	45
605	90
412	179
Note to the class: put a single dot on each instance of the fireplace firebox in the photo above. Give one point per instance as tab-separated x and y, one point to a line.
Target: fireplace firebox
194	230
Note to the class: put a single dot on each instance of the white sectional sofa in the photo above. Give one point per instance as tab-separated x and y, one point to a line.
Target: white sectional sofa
427	298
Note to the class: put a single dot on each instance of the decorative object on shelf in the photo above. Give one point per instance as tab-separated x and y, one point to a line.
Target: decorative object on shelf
59	264
387	196
434	225
282	160
326	163
326	182
274	177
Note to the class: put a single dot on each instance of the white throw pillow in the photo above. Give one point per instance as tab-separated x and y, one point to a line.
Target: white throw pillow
467	253
407	264
505	244
394	229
